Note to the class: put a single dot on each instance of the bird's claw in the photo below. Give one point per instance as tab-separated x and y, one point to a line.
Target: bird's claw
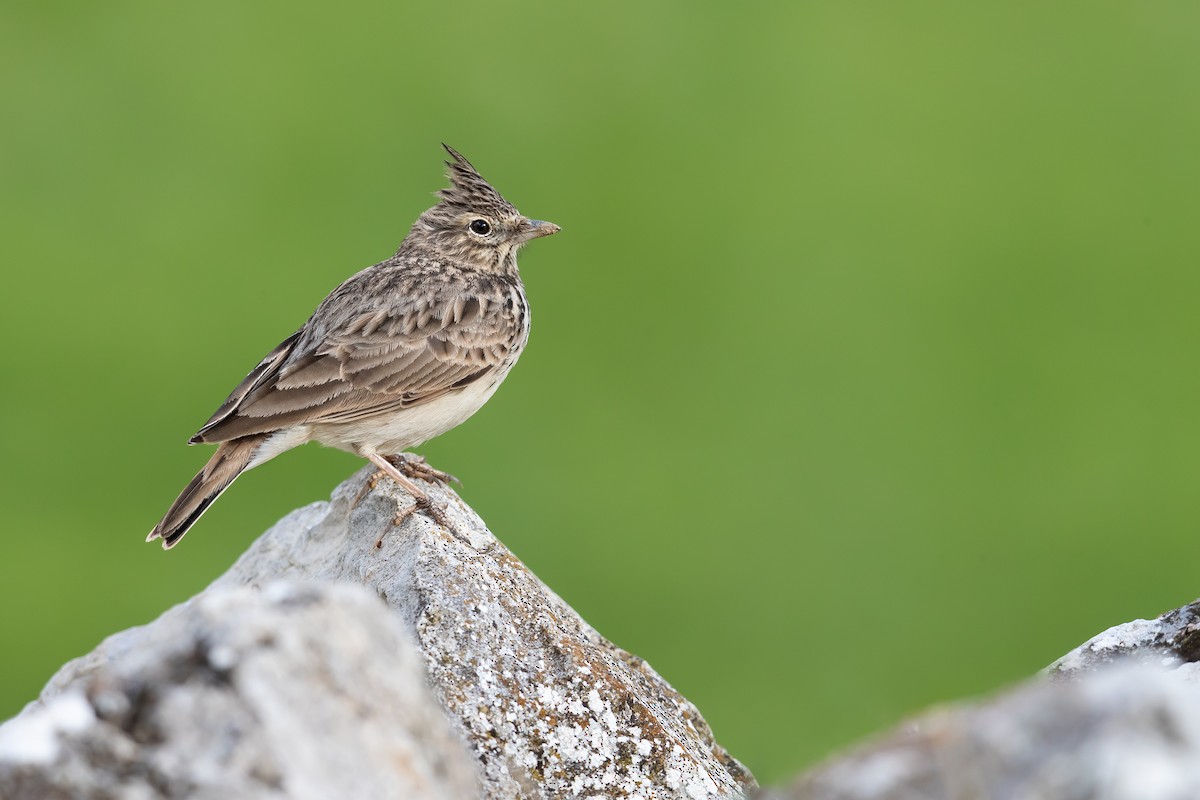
368	486
416	467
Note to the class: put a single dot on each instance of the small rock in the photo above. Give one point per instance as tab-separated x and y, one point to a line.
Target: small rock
1127	731
298	691
1171	640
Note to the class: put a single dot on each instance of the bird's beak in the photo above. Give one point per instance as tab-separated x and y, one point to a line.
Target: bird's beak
534	228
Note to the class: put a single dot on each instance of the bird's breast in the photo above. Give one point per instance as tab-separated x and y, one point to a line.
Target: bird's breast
411	427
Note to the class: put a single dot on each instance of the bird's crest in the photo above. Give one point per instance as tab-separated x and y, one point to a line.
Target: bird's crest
469	191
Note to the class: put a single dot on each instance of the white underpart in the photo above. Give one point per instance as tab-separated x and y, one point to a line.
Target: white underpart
386	434
411	427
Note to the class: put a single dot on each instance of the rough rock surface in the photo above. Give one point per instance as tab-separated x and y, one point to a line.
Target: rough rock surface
1118	718
550	707
547	706
1126	732
293	692
1171	640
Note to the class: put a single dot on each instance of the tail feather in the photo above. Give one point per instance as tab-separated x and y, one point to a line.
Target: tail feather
231	459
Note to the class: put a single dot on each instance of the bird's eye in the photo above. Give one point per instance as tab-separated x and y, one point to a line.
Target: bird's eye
481	227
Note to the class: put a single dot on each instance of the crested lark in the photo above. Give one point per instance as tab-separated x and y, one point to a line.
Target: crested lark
398	354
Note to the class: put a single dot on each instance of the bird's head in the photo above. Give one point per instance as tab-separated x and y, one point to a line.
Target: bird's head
473	225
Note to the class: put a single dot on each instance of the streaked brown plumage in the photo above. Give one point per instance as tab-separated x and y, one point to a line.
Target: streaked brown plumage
398	354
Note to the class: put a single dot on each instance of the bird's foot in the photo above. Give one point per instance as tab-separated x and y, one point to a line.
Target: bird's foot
421	500
418	468
436	512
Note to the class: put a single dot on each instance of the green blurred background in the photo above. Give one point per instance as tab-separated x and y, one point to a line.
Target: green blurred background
862	376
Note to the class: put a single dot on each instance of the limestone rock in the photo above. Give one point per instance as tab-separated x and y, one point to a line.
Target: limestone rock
550	707
294	691
1118	718
1171	640
1126	732
547	707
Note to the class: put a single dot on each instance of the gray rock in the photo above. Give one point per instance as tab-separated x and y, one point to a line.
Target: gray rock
1125	732
1118	718
289	692
547	706
1171	640
346	656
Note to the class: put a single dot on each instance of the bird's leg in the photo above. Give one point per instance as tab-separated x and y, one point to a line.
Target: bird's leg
421	500
418	468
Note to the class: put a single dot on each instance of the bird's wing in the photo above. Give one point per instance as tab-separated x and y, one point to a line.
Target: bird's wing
265	370
380	360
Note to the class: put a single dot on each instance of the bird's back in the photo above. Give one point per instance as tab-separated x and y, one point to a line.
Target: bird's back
395	337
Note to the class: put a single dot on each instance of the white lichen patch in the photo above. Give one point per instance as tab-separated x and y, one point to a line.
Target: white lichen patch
1136	636
1136	633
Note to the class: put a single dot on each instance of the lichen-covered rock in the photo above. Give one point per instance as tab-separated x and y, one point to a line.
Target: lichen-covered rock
1126	731
275	694
1171	640
549	706
1118	718
295	691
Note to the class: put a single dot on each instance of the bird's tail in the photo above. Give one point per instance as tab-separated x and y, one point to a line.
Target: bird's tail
231	459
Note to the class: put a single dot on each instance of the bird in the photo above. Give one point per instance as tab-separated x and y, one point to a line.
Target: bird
399	353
